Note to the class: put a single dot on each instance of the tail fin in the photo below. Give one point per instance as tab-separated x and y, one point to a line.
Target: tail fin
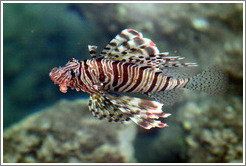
212	81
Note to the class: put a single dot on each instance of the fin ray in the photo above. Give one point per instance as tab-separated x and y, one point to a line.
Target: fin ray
143	112
92	50
131	47
102	108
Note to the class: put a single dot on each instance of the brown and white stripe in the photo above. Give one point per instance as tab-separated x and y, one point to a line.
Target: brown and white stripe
125	77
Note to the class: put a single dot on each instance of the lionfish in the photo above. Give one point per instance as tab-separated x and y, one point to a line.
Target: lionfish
131	63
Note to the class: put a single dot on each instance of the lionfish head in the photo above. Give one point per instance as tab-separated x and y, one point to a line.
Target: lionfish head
63	76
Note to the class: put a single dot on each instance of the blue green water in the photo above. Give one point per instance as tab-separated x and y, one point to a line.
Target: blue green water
38	37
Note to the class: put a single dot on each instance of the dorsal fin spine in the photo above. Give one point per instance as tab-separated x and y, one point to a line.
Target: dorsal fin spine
92	50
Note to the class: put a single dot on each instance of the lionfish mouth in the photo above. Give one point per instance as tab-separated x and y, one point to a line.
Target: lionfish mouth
59	78
51	74
63	88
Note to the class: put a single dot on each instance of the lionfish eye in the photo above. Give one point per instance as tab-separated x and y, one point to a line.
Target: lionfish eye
72	73
71	60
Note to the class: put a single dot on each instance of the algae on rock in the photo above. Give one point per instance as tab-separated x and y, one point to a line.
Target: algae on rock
67	132
214	132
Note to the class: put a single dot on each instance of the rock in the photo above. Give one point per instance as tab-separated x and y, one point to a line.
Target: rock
67	132
215	132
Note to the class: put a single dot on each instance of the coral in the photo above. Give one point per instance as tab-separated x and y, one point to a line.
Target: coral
214	132
67	132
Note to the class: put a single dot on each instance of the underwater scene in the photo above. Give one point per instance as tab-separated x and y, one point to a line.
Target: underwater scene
123	83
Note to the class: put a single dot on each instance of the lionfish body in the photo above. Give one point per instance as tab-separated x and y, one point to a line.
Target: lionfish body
132	64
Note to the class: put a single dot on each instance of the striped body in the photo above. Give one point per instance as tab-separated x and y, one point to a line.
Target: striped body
132	63
124	77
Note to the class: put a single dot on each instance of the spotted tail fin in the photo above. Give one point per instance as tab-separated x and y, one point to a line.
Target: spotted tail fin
212	81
